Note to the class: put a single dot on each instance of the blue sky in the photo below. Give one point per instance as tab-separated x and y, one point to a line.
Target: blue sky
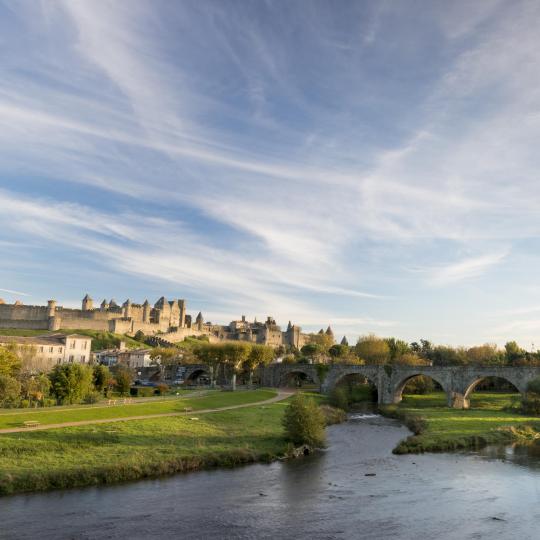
373	165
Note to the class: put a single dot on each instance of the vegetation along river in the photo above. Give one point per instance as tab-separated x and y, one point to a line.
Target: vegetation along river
492	494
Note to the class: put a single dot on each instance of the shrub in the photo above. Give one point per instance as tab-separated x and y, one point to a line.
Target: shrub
92	397
162	389
339	397
71	382
304	422
142	391
10	390
332	415
24	404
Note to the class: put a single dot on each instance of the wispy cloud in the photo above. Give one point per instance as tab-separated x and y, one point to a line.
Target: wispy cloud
256	161
470	267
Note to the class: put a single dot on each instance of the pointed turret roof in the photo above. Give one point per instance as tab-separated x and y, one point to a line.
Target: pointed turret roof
87	297
329	331
104	303
321	331
289	326
344	341
113	302
146	302
199	317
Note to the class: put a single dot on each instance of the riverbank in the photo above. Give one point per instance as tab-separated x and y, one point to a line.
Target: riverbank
108	453
438	428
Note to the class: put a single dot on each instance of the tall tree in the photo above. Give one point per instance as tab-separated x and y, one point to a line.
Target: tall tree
234	355
260	355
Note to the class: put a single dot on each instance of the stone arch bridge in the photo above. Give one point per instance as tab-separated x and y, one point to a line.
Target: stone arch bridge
458	382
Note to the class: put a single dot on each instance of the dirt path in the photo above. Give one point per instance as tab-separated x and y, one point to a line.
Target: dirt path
282	394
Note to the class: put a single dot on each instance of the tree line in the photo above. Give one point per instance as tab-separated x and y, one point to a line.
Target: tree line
66	384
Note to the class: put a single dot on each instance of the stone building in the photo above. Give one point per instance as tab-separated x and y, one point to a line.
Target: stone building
167	320
128	318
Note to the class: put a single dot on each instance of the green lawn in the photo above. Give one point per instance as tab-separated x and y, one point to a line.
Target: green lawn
212	399
449	429
107	453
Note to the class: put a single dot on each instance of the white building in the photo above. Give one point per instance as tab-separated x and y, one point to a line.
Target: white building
44	352
133	358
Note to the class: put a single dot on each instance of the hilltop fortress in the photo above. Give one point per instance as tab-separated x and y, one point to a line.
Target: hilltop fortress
167	320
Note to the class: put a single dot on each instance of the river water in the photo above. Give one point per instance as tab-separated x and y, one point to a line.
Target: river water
494	494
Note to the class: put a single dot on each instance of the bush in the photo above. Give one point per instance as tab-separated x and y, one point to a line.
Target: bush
304	422
10	390
332	415
92	397
339	397
24	404
142	391
162	389
49	402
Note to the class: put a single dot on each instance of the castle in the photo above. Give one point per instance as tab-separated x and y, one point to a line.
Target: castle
167	320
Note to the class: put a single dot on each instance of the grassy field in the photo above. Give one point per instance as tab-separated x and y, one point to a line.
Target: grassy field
108	453
212	399
441	428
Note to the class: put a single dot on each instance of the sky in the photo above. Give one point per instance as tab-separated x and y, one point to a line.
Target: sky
373	165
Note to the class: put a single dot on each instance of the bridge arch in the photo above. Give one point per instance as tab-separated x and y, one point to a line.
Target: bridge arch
397	392
473	383
196	375
368	377
296	376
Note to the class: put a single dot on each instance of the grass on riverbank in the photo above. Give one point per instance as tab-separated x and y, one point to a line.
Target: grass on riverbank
211	399
109	453
439	428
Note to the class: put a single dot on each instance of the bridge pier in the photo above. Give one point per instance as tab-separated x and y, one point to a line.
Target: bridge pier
458	401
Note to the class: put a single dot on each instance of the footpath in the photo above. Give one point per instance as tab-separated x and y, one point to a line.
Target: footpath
281	395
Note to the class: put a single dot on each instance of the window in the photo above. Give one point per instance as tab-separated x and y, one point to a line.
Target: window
72	344
59	349
59	360
85	343
71	358
51	349
41	349
83	358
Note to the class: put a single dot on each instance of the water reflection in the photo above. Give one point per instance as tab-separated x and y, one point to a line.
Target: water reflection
355	489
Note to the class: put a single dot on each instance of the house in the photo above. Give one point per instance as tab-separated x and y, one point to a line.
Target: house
42	353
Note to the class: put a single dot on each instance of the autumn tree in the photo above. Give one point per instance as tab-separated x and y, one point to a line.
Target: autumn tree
372	349
10	363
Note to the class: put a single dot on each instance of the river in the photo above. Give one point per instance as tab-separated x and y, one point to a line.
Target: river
493	494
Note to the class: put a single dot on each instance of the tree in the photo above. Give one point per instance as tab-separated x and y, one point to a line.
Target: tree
164	355
260	355
443	355
338	351
325	341
123	377
34	386
10	390
486	354
234	355
10	363
139	336
212	356
410	359
373	349
102	377
312	351
71	383
304	422
514	353
397	348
